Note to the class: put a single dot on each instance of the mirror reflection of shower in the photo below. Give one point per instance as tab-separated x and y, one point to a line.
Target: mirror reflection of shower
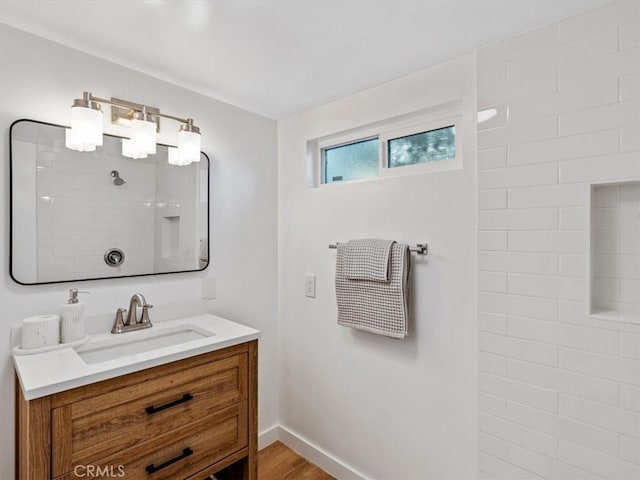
116	178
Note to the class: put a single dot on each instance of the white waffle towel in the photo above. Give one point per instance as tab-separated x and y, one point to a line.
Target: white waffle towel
368	259
374	306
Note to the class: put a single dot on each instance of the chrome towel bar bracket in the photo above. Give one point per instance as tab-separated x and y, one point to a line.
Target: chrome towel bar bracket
420	248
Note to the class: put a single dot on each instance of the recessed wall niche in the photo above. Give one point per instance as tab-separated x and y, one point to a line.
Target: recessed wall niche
615	251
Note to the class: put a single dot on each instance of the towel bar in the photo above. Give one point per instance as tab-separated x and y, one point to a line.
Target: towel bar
420	248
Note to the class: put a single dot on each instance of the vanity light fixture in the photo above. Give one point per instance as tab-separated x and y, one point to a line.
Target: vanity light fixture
85	133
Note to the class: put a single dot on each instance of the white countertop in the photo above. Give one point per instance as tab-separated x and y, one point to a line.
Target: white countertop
51	372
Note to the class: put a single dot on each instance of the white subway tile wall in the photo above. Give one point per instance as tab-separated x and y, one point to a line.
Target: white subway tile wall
82	214
559	389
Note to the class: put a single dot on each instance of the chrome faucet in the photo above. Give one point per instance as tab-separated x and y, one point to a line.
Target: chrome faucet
132	322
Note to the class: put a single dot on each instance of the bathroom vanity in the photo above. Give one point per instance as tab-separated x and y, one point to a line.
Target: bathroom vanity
184	410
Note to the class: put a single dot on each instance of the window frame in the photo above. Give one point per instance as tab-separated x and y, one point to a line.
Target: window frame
390	131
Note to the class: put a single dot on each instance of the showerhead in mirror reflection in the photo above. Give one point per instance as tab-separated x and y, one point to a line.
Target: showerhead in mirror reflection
65	214
116	178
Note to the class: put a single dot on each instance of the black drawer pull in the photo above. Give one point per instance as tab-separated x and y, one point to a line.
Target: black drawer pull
185	453
185	398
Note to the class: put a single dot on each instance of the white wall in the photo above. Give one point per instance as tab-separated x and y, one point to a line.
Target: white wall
387	408
559	391
38	80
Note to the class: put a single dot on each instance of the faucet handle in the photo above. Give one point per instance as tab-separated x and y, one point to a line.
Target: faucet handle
118	324
145	314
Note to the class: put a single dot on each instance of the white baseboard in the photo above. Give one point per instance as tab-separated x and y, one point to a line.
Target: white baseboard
311	452
267	437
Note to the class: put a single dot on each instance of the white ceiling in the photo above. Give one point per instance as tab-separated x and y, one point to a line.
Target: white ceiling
277	58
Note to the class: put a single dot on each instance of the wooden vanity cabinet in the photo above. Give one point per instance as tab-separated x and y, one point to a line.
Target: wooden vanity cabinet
183	420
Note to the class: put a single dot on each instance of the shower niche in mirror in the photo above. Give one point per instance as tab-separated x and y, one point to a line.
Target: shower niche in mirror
96	215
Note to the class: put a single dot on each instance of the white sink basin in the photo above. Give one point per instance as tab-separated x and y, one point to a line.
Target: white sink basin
132	343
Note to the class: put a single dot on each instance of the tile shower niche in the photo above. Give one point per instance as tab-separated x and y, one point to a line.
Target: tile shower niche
615	251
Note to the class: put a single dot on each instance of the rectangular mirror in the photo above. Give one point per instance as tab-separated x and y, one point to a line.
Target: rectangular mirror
95	215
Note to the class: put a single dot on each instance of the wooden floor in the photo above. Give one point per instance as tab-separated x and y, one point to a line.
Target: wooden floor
279	462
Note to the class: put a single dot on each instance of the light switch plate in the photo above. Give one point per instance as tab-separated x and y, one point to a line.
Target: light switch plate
310	285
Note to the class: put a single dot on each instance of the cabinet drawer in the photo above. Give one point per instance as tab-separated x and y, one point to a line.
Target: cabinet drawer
175	455
123	419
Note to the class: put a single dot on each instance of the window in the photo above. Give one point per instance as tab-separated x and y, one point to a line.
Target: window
418	147
422	147
352	161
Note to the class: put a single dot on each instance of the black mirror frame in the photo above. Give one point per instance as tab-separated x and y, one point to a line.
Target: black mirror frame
11	259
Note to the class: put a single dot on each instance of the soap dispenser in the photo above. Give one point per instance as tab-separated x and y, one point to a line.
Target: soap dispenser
72	318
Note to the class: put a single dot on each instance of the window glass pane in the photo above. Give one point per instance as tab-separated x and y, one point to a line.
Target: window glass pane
422	147
351	162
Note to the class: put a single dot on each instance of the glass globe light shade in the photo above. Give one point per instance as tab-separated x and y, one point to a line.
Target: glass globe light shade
86	124
143	134
71	141
189	143
131	150
175	158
